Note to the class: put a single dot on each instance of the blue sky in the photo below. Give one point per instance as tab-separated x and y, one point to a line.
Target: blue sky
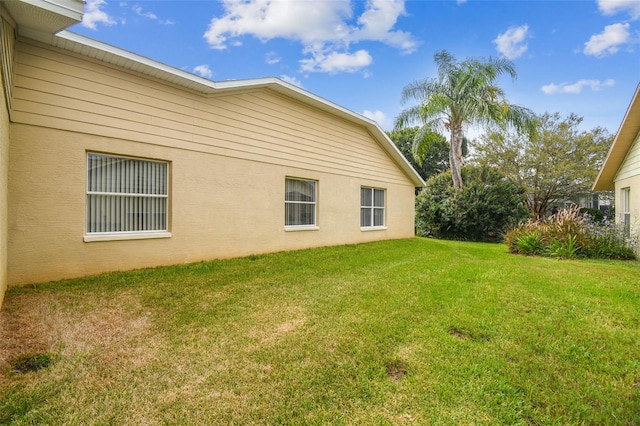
571	56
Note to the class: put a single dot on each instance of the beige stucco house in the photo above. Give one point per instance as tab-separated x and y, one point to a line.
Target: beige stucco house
112	161
621	169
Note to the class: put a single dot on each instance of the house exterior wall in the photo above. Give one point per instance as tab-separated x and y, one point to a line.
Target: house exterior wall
629	177
631	164
229	157
7	42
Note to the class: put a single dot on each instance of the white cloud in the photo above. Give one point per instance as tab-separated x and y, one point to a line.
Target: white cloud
334	62
379	117
461	2
150	15
575	88
611	7
511	44
291	80
304	21
325	29
377	22
203	71
272	58
94	15
609	41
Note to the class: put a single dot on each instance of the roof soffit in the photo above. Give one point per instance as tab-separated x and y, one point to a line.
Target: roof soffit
42	18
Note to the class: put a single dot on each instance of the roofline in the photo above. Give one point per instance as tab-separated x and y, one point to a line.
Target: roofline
107	53
626	134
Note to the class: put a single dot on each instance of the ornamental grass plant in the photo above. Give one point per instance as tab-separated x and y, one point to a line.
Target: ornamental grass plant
571	233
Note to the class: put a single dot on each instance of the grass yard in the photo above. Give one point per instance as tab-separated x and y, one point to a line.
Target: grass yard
412	331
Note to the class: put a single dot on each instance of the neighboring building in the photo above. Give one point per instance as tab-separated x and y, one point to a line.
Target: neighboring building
621	169
111	161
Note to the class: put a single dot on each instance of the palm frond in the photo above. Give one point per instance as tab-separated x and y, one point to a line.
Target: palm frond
408	117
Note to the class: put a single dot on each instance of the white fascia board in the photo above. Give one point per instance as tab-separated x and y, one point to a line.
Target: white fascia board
70	8
93	48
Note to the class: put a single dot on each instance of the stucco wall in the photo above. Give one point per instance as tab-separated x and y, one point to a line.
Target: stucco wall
220	207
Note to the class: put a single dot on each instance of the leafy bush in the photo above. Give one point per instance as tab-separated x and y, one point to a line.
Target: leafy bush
594	214
569	234
487	205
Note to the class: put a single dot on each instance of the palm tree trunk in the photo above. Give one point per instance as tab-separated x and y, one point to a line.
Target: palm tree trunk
455	155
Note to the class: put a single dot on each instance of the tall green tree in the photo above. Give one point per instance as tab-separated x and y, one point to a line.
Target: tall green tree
557	162
429	156
464	93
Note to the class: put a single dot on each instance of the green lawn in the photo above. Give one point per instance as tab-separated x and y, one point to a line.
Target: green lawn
399	332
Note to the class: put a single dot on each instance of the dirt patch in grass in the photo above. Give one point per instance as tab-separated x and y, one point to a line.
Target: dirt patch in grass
271	327
22	329
396	370
113	329
30	363
467	334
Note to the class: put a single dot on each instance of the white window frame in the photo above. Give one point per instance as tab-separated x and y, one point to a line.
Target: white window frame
625	198
290	203
372	208
118	211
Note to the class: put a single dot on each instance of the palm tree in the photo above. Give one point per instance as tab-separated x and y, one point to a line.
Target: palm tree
464	93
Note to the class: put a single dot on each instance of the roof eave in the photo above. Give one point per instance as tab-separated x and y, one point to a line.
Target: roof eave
627	132
43	18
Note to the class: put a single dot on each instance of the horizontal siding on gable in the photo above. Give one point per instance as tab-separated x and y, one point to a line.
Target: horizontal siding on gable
7	51
62	90
631	164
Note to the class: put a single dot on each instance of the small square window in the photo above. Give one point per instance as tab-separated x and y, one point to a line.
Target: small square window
300	203
372	207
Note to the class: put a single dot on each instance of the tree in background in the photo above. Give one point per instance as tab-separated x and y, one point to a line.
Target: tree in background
464	93
429	156
557	162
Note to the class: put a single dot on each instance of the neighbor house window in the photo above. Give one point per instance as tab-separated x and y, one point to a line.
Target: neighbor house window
126	196
300	203
372	207
626	210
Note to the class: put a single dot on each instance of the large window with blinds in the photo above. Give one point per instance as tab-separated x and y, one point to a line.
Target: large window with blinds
300	203
126	195
372	207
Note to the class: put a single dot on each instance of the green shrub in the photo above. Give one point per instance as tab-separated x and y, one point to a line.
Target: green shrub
594	215
570	234
487	205
529	243
567	249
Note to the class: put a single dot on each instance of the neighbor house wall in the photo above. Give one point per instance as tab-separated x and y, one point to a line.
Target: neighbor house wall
7	39
631	165
229	157
629	177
